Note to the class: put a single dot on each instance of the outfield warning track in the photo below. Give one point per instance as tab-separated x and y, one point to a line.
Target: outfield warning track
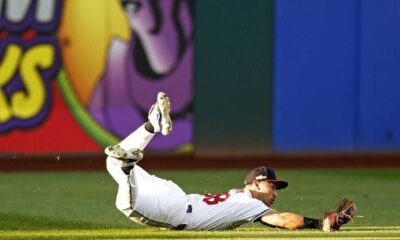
67	162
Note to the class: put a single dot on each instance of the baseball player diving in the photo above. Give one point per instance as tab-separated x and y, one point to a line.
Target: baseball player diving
152	201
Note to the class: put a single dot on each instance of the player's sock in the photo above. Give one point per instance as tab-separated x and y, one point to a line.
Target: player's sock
116	170
138	139
127	170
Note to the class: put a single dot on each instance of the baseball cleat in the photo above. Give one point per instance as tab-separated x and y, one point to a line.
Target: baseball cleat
159	114
127	157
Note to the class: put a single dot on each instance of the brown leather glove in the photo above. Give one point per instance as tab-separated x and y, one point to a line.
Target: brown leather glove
333	220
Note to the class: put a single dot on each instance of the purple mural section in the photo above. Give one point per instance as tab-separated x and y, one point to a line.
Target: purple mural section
159	57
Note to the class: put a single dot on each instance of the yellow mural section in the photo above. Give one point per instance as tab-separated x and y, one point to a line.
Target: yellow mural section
8	67
27	103
85	32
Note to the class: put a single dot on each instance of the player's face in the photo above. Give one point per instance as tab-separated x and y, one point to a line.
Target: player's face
267	192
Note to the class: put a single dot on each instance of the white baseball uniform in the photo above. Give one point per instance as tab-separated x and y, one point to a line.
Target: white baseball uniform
152	201
223	211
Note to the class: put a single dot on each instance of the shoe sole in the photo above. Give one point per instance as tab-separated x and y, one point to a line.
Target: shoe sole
164	105
128	158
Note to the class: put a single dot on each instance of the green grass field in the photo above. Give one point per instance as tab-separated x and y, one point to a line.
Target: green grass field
80	205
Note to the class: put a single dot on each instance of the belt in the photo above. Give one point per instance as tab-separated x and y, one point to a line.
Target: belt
189	209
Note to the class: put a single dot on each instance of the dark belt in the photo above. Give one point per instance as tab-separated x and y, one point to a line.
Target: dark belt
189	209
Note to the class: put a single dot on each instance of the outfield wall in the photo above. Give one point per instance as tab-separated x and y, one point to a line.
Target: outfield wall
255	78
336	82
333	85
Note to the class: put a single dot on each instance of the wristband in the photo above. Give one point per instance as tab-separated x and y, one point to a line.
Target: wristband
312	223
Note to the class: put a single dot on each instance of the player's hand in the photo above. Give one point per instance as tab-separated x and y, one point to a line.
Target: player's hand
333	220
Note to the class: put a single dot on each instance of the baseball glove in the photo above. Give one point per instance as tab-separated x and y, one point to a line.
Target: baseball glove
333	220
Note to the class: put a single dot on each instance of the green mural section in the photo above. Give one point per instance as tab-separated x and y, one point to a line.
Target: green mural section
233	79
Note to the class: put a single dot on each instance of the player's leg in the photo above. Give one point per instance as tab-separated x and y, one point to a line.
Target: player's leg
130	150
126	191
159	121
120	162
139	193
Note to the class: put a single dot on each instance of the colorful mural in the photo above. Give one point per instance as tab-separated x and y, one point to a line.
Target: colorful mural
80	75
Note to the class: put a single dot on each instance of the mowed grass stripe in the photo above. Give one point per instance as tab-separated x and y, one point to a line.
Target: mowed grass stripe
251	228
372	228
81	205
165	234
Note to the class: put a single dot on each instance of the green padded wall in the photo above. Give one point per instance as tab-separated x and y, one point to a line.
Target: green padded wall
233	79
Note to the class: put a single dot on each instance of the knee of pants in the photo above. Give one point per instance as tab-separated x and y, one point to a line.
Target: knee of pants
126	209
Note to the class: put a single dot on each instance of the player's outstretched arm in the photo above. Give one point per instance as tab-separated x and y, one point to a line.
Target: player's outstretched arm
331	220
286	220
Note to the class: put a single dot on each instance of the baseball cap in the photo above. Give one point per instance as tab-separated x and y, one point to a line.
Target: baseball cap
264	173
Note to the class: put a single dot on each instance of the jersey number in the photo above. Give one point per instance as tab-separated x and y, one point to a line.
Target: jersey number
212	199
